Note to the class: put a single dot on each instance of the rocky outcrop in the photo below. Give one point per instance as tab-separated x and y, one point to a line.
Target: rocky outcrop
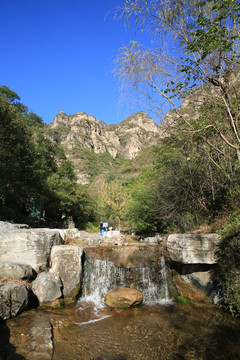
66	261
192	248
28	246
13	299
81	131
47	287
122	297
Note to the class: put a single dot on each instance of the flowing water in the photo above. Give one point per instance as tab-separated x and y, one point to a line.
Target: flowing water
101	275
157	330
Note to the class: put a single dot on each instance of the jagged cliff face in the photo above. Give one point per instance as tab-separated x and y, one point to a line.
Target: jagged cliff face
125	139
81	131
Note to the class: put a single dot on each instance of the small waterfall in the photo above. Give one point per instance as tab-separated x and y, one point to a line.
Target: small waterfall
101	275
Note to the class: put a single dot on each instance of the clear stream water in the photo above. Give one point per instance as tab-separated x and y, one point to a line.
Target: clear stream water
157	330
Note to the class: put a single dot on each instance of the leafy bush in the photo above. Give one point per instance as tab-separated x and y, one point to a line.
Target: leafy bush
228	255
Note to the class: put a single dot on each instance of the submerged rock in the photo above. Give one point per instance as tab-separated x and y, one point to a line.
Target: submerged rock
40	339
122	297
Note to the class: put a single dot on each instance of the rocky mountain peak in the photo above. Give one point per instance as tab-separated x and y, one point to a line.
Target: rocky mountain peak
81	131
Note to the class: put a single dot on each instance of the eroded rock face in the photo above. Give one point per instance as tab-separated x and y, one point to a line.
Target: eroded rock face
66	261
192	248
47	287
122	297
13	299
81	131
28	246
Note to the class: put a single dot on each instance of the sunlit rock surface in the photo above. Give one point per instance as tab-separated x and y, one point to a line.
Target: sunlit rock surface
122	297
47	287
66	261
28	246
192	248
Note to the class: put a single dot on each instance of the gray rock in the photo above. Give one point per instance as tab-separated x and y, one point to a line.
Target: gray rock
192	248
20	271
28	246
157	239
40	339
66	261
9	226
13	299
202	282
47	287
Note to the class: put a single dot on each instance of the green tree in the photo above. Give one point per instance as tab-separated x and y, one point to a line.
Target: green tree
111	199
142	207
195	43
34	169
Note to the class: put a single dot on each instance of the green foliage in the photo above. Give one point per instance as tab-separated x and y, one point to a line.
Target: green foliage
9	94
228	256
33	167
142	207
183	300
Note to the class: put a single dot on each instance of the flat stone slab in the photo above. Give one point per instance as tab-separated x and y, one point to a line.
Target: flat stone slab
193	248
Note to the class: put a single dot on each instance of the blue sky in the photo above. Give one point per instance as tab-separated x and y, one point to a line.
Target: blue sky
59	55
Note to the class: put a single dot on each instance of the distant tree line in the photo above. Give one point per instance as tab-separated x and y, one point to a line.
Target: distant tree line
33	170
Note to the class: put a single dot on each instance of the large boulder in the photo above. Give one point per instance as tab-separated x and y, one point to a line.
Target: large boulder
192	248
20	271
122	297
28	246
13	299
47	287
66	261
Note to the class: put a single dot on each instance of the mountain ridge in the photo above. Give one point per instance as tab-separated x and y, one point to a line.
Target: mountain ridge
82	135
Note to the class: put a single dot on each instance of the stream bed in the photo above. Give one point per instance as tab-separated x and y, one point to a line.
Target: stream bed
150	332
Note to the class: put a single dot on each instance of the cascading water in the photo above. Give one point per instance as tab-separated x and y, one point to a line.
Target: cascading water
102	275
